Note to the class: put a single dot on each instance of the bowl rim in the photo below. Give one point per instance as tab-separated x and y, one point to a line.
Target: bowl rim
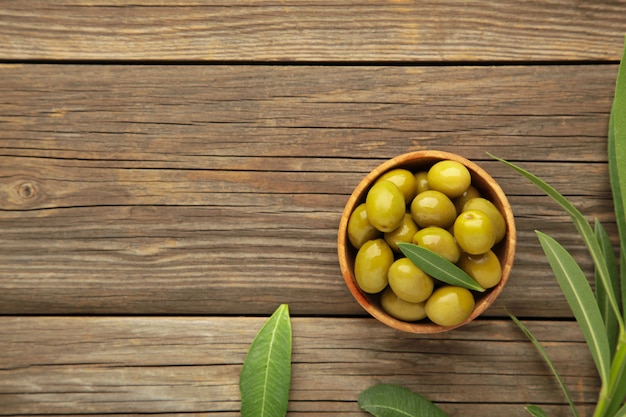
506	248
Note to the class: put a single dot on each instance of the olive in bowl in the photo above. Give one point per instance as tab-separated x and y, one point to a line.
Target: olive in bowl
438	200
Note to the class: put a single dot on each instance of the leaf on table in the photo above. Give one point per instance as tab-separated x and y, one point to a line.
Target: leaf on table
387	400
550	364
535	411
581	300
265	377
438	267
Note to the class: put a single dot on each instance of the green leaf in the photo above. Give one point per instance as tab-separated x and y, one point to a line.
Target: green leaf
609	318
618	131
617	378
535	411
616	388
585	230
385	400
438	267
265	377
618	204
581	300
538	412
617	165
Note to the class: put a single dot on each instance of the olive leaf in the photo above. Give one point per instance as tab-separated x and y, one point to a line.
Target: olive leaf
617	165
616	387
535	411
265	377
387	400
438	267
581	300
610	321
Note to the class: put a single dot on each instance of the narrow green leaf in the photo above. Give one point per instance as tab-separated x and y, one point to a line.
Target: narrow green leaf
616	389
617	165
438	267
550	364
585	230
621	412
535	411
618	118
265	377
386	400
581	300
618	204
610	321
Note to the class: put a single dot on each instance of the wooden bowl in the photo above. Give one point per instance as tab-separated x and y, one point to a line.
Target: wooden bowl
421	161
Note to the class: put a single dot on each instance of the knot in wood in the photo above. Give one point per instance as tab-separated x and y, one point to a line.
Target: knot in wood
26	190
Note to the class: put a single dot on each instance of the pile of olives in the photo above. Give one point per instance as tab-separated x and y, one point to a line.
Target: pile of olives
437	208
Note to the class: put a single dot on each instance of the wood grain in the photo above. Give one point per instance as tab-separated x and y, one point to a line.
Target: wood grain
306	31
172	171
124	192
175	365
126	114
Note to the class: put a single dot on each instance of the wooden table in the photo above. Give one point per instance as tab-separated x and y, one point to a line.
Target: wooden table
171	172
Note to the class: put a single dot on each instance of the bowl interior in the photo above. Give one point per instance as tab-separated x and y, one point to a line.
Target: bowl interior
416	161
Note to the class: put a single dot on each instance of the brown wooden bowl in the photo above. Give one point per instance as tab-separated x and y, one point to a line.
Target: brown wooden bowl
421	161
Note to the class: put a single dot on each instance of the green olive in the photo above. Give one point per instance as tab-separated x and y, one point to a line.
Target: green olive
449	305
474	232
401	309
459	202
409	282
421	181
439	241
360	230
450	177
404	180
385	206
403	233
372	265
433	208
485	268
490	210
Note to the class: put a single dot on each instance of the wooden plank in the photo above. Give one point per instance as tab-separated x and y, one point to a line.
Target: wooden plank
156	192
305	31
187	260
45	183
57	365
129	114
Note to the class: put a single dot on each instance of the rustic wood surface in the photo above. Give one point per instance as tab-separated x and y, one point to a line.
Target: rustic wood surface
171	172
305	30
192	364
